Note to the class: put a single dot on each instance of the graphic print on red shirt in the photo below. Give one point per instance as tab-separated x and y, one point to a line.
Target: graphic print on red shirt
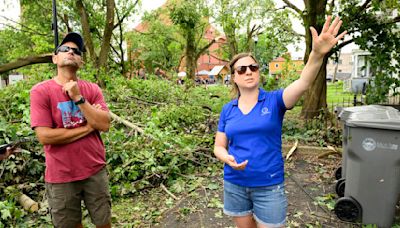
72	116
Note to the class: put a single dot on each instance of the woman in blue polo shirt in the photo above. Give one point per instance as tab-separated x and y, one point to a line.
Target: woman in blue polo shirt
249	133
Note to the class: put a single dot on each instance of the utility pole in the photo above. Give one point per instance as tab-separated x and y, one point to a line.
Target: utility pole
54	25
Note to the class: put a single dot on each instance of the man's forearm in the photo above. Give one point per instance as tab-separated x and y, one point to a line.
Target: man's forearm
58	136
98	119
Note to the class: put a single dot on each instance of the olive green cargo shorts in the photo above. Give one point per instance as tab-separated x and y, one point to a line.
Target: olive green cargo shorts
65	200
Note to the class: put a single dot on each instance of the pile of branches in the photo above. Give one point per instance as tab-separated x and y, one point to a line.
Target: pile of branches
160	132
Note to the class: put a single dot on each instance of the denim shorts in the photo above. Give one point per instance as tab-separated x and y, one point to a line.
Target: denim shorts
267	204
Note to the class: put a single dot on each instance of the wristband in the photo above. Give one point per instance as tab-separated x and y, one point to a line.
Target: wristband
80	101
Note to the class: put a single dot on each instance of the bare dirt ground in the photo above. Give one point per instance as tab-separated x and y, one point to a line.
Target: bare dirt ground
310	187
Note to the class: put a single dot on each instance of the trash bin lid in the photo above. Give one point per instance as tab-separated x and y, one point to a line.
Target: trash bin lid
371	116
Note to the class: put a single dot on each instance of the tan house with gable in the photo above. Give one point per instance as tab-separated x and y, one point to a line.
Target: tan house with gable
276	66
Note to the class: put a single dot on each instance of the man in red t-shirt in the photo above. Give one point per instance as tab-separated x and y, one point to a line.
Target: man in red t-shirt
67	115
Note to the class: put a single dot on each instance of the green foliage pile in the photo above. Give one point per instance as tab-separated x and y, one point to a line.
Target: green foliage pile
320	131
179	124
20	173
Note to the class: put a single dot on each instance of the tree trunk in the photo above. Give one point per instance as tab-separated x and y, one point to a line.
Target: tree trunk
232	44
190	55
101	61
109	27
232	47
315	97
46	58
86	30
106	42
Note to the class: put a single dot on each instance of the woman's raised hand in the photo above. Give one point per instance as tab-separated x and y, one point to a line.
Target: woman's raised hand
328	38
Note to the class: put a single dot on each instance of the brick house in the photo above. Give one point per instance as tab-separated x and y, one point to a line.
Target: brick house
206	62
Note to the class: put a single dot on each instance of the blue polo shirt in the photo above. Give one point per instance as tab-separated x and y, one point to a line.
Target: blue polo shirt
255	137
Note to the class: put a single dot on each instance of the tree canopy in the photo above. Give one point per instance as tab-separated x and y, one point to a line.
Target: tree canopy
96	20
368	23
166	45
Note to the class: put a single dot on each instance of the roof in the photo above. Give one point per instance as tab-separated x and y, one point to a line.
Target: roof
339	76
202	72
281	59
216	70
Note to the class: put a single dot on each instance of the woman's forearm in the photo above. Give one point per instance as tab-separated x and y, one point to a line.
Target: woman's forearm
221	153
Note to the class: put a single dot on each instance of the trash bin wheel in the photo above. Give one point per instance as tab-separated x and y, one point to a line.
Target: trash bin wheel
340	185
348	209
338	173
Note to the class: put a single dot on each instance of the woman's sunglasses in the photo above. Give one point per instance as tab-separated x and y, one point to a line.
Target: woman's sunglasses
66	49
242	69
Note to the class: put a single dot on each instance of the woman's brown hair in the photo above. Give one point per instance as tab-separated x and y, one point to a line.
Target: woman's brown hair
235	89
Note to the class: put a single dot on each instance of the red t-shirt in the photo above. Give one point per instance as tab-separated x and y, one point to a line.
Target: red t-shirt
51	107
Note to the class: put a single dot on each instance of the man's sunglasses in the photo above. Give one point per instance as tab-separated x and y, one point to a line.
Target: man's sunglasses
242	69
66	49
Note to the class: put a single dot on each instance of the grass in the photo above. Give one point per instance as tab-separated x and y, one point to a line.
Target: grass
336	95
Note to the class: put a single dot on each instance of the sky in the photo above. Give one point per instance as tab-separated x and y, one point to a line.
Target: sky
10	9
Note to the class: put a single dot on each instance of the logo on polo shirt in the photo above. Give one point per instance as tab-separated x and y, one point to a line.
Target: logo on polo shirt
265	111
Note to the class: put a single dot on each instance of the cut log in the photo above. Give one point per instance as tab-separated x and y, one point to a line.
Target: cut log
28	204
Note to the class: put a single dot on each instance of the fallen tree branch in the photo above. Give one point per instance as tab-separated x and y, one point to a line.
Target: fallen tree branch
332	150
45	58
126	123
168	192
206	155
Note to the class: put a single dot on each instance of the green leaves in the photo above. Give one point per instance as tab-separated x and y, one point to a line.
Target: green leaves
215	203
178	123
375	31
328	201
10	214
5	214
241	20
